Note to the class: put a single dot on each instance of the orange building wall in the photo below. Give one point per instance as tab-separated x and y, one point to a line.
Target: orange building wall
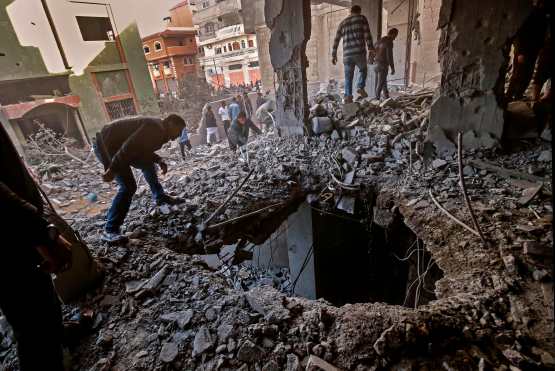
236	78
254	75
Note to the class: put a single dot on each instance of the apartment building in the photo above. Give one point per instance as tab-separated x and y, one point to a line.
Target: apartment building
228	55
172	53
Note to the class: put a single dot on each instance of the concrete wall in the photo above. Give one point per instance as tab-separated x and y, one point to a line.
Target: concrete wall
80	53
17	61
425	67
474	48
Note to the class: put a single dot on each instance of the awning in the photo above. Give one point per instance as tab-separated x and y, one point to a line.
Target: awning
16	111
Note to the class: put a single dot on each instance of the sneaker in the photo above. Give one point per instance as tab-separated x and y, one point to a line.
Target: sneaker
362	93
112	238
169	200
348	99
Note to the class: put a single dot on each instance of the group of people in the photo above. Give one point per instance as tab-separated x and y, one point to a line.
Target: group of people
359	50
235	116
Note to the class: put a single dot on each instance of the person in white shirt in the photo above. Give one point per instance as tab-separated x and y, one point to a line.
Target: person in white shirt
223	111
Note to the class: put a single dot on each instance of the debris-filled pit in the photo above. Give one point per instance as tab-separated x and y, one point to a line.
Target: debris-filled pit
370	236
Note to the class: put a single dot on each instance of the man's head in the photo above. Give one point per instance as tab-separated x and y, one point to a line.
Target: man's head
259	94
355	9
234	100
393	33
223	103
242	118
174	124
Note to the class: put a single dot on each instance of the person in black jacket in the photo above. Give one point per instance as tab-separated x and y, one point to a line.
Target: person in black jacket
384	61
240	129
27	296
132	142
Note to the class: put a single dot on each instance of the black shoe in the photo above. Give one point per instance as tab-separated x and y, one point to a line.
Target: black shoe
169	200
112	238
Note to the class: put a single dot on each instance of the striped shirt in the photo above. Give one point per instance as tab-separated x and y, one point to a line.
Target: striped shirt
355	32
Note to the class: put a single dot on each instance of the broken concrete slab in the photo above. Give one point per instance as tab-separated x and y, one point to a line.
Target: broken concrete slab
321	125
350	110
168	352
203	341
349	155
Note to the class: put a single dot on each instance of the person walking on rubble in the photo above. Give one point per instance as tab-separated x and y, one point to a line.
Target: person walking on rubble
27	296
384	61
239	131
234	109
355	32
223	111
184	142
132	142
211	126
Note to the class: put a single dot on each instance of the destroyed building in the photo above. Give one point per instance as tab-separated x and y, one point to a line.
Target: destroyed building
413	232
72	66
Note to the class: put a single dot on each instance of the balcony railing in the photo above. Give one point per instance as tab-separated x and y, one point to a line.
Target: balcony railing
235	53
216	10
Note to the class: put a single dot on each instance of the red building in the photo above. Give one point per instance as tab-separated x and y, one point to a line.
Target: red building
172	53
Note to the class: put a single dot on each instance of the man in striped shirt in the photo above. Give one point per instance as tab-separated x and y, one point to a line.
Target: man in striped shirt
355	32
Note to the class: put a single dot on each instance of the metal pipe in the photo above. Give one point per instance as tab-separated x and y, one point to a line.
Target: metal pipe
56	36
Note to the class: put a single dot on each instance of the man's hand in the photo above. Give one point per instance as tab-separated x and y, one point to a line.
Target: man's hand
163	167
334	60
56	257
108	176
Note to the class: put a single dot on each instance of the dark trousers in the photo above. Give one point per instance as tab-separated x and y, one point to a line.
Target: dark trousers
227	124
522	74
30	304
126	189
381	81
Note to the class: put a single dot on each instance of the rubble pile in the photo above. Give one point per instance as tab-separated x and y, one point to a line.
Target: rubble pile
162	309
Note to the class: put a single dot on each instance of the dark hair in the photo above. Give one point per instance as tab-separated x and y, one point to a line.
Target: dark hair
355	9
242	115
224	103
393	31
175	120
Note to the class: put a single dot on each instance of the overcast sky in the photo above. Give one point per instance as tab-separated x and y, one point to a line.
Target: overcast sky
149	14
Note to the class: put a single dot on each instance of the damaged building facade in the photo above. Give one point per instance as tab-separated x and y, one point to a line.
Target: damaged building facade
407	233
72	66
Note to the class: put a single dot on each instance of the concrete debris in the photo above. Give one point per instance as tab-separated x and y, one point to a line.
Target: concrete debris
321	125
163	306
169	352
203	341
545	156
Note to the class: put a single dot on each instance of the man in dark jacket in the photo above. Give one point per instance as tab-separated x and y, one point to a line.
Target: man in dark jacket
27	296
132	142
384	60
239	131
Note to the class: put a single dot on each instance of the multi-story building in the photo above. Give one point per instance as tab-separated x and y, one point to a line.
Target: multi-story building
71	66
172	53
228	55
230	58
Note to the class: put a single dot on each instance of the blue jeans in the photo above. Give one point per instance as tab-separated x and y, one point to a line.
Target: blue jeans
349	63
126	189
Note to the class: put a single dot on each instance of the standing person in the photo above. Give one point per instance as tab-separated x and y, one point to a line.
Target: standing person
384	61
355	32
246	105
239	130
234	109
527	44
211	126
184	142
132	142
27	296
223	111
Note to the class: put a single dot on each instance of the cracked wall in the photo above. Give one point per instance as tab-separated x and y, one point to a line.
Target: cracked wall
289	21
473	51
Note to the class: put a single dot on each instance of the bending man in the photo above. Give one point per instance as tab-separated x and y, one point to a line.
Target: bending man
132	142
